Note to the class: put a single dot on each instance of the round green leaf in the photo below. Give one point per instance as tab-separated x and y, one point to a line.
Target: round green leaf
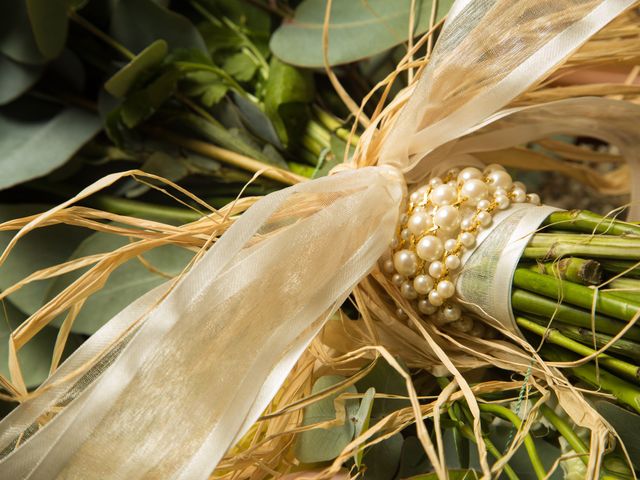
16	78
319	445
127	283
36	139
382	459
49	22
358	29
16	36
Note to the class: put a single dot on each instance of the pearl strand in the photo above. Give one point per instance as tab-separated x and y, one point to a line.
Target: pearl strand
442	220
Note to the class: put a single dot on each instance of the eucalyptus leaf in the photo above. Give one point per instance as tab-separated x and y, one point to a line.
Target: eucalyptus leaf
36	139
384	379
255	120
413	459
323	444
125	284
16	36
288	92
626	424
39	249
382	459
35	356
49	22
138	23
358	29
362	419
122	81
16	78
163	165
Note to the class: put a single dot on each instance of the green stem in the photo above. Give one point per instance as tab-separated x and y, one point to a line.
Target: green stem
124	206
468	433
627	393
334	125
529	445
579	295
589	222
528	302
567	432
627	288
630	269
616	365
101	35
548	246
622	346
573	269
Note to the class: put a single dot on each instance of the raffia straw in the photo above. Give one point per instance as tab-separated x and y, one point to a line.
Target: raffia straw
348	347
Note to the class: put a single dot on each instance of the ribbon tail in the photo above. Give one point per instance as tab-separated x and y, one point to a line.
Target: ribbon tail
172	385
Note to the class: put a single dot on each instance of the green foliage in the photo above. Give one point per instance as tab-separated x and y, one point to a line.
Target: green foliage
289	91
385	379
39	249
120	83
357	29
38	138
138	23
319	445
49	23
127	283
16	78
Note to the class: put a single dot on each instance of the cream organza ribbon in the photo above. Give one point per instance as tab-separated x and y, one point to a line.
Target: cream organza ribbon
182	373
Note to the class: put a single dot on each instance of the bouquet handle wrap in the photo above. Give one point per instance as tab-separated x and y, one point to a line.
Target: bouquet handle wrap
180	374
484	284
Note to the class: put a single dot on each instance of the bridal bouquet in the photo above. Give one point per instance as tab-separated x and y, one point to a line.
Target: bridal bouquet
405	299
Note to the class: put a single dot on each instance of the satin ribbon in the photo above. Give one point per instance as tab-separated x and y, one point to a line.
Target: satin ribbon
189	367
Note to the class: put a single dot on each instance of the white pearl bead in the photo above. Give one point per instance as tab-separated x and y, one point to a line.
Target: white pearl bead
435	181
435	299
436	269
407	291
423	190
500	191
423	284
467	239
394	243
484	205
499	179
446	289
401	314
484	218
492	168
519	195
467	224
465	324
430	248
451	313
419	222
452	262
387	266
414	197
425	307
450	244
474	190
405	234
405	262
446	217
444	195
502	201
533	198
397	279
520	185
469	173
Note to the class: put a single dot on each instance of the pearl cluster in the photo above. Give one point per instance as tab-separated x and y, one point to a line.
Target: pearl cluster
442	220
